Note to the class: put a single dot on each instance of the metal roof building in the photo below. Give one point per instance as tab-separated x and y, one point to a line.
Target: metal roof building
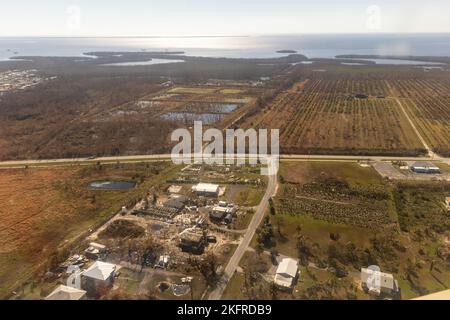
206	189
286	273
425	167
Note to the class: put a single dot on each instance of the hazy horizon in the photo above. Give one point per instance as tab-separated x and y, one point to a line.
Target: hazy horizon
138	18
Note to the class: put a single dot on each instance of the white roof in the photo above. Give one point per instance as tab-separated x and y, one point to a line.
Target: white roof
288	268
100	271
206	187
64	293
283	281
386	280
221	209
425	165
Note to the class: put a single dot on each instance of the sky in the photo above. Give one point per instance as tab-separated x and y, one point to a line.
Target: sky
224	17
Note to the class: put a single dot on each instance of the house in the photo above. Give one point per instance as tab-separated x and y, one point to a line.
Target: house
99	275
286	273
206	190
218	213
64	293
95	251
378	283
425	167
192	242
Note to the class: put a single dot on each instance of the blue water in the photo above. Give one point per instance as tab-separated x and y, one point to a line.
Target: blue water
143	63
112	185
313	46
190	117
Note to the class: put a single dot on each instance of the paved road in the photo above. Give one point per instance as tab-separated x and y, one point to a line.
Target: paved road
233	264
161	157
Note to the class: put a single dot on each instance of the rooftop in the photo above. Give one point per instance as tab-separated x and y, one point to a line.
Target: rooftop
386	280
206	187
286	273
288	267
100	271
424	164
64	293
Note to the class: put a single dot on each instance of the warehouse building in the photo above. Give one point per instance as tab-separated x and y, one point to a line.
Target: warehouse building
425	167
206	190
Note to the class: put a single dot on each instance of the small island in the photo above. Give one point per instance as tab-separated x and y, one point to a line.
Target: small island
286	51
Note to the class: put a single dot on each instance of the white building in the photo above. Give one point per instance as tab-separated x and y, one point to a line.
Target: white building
64	293
286	273
425	167
206	190
377	282
100	274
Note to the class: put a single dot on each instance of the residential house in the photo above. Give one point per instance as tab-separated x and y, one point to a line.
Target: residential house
100	275
379	283
64	293
287	273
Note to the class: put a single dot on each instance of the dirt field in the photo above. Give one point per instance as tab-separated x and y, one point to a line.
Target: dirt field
44	209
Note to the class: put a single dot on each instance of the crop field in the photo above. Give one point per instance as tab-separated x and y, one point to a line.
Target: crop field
340	117
43	210
428	103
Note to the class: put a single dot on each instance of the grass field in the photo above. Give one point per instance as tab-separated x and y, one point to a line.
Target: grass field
45	210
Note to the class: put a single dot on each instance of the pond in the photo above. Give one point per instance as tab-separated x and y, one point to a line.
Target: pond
112	185
190	117
223	107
